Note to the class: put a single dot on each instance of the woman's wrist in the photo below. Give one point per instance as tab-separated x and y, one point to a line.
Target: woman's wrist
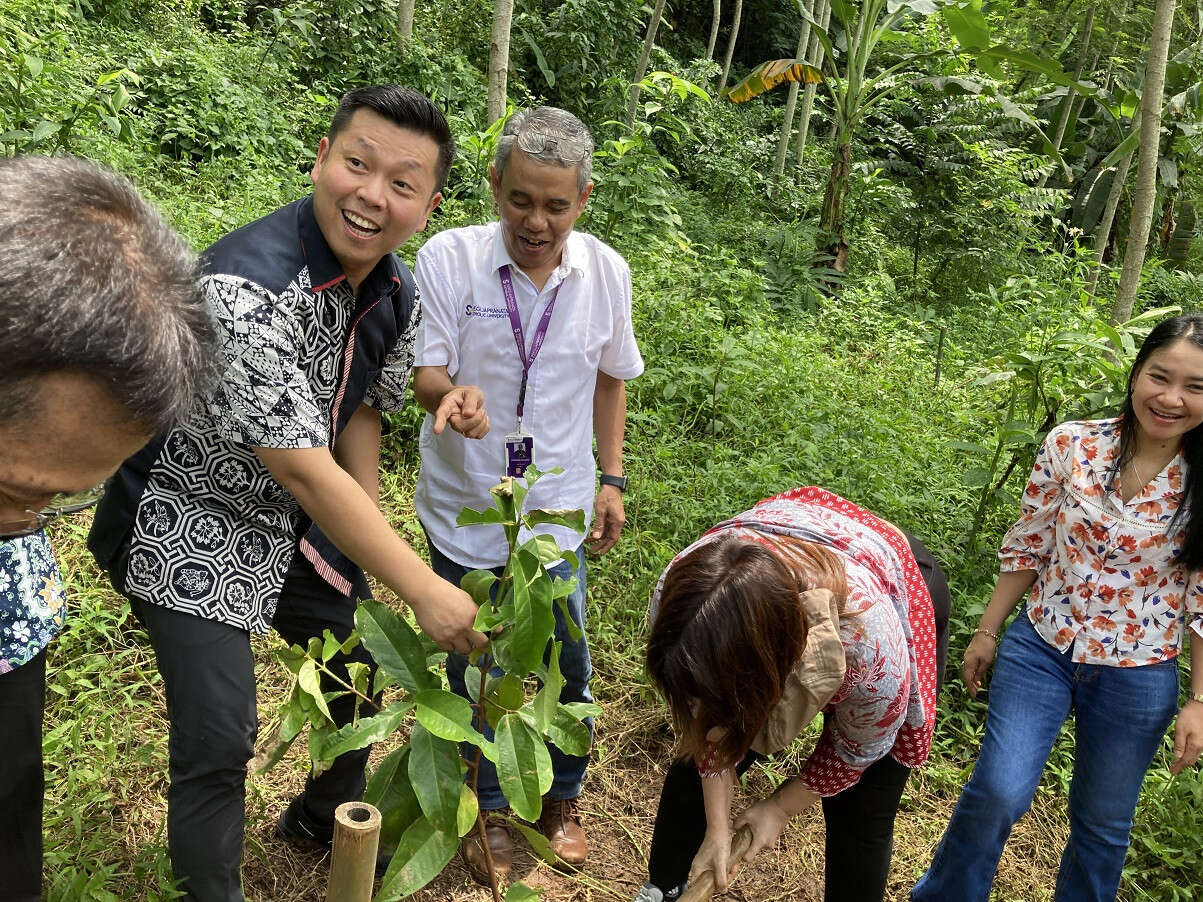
1196	697
986	631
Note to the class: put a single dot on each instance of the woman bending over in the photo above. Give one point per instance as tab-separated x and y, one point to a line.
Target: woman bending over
804	604
1110	544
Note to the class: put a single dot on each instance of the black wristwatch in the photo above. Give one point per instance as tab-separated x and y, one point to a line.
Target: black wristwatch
619	482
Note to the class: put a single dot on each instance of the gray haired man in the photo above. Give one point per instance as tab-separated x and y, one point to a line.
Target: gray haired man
537	317
104	341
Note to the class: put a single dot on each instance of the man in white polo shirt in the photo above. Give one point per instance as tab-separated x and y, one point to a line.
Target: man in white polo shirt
535	318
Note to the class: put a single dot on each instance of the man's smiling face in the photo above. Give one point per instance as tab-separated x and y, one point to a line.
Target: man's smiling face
373	188
539	203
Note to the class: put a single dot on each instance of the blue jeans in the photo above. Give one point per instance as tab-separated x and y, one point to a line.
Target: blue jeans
568	771
1120	716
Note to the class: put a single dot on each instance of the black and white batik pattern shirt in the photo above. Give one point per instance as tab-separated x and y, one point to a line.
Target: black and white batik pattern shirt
214	533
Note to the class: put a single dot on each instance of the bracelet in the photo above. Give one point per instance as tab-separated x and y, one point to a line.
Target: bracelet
981	629
1197	697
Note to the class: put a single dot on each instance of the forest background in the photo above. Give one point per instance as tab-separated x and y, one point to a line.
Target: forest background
895	300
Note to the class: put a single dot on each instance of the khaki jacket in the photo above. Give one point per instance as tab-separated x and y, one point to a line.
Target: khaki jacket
813	681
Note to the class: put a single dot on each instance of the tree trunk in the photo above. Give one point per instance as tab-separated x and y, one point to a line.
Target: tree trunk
646	54
739	8
714	22
499	58
1067	102
1102	235
791	103
405	24
823	16
1146	167
831	219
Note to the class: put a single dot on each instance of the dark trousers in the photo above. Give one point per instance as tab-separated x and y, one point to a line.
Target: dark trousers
22	700
860	829
859	820
209	675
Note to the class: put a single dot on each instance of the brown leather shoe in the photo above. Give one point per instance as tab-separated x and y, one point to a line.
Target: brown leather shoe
560	822
501	846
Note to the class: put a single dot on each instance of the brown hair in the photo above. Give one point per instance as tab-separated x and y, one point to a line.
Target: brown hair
729	630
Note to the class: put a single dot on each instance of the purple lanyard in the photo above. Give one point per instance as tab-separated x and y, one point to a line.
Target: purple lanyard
511	307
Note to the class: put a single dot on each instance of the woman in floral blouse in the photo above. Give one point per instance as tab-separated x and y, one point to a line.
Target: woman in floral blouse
1111	548
805	603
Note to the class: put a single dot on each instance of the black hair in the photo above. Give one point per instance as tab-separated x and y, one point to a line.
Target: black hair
1189	516
405	108
92	280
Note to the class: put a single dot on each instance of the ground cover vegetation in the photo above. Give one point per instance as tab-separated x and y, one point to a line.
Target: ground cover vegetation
908	354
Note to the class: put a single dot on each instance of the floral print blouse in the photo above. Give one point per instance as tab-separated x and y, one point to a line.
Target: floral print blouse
31	599
1107	584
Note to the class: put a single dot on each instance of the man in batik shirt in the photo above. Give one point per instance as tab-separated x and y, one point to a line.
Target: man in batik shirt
261	509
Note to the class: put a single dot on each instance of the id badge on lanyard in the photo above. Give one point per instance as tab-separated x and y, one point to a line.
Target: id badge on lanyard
520	444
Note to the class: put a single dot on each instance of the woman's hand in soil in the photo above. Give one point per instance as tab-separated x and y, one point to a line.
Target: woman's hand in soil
766	819
714	856
979	657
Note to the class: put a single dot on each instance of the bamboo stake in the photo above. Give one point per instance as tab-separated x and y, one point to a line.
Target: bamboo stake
353	864
703	888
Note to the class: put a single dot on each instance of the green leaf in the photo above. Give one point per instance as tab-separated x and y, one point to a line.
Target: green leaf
508	692
581	710
330	646
541	61
478	584
472	682
435	774
517	892
1125	147
394	645
293	656
488	618
447	716
43	130
367	731
310	684
468	808
548	696
292	720
573	518
538	842
523	766
359	673
390	791
487	517
421	855
33	64
545	548
769	74
569	734
976	476
968	25
120	97
534	619
574	631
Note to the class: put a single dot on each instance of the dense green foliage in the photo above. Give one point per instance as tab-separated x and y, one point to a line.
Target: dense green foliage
962	329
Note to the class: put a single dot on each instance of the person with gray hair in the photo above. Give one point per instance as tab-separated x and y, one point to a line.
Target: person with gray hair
537	317
549	135
105	340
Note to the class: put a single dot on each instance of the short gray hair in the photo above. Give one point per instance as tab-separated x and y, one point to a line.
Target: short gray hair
559	138
92	280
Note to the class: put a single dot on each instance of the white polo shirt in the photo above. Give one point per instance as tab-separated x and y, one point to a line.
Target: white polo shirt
465	328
